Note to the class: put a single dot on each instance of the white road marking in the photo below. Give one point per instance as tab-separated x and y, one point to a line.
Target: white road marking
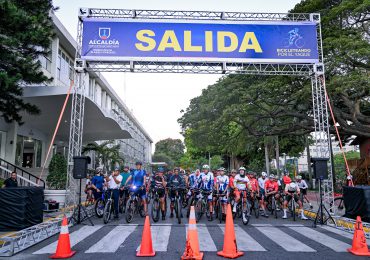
244	240
284	240
205	240
75	237
112	241
334	244
341	232
160	237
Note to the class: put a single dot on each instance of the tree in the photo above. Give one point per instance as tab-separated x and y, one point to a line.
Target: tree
160	157
339	164
26	30
107	152
57	177
173	148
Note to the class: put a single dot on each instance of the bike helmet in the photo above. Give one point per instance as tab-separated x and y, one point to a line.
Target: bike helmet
160	169
242	168
298	177
221	169
99	170
264	174
205	166
253	174
292	187
272	176
139	163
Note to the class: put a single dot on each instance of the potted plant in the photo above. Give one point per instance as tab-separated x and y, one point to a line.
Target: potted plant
56	180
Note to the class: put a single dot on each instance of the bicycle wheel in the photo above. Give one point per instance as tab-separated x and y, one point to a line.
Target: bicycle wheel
256	208
219	210
293	209
107	211
178	212
155	210
129	210
191	202
199	210
206	206
245	213
99	208
273	206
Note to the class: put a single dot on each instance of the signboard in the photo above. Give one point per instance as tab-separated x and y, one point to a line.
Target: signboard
163	40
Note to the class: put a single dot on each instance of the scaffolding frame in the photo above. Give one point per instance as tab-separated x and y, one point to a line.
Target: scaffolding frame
314	71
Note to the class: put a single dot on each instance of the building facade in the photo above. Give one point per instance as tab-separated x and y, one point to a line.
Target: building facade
106	115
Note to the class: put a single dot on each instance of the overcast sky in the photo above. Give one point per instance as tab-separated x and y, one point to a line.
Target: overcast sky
156	99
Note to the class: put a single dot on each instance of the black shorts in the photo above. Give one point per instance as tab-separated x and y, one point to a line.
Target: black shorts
304	191
288	197
123	193
161	192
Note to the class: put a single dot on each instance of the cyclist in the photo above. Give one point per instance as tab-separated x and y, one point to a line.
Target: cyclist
159	183
241	183
138	180
271	188
222	184
292	191
303	187
123	191
261	184
254	187
194	181
207	183
231	178
114	183
97	183
293	34
176	181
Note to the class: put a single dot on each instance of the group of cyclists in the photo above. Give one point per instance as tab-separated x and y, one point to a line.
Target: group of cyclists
241	188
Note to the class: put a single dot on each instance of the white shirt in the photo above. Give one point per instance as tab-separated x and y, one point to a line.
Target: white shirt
112	184
302	184
241	182
261	182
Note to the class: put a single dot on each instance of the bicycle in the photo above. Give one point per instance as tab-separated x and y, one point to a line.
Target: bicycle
100	204
134	204
255	205
195	192
109	207
156	205
177	202
218	205
292	207
243	208
202	206
123	200
272	205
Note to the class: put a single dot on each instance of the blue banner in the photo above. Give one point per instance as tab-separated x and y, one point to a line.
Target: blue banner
272	42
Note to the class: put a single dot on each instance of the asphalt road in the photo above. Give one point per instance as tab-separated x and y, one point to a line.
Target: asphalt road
263	238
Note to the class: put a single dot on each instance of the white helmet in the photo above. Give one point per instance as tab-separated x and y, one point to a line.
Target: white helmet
292	187
242	168
205	166
272	176
264	174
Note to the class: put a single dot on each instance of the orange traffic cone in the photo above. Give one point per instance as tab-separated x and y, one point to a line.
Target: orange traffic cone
64	245
146	247
192	242
359	246
230	249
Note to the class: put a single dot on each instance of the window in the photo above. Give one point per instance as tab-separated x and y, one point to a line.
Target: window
65	70
45	62
91	89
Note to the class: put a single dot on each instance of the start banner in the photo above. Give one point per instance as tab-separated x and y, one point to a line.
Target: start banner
202	41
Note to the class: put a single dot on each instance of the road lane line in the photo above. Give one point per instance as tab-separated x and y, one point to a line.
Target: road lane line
75	237
112	241
284	240
205	240
160	237
341	232
244	240
334	244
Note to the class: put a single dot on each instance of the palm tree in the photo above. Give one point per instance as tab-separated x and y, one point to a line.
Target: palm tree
107	152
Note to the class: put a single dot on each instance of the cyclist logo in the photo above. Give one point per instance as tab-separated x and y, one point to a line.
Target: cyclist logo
104	33
294	40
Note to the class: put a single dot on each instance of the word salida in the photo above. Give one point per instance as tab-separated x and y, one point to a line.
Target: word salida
226	42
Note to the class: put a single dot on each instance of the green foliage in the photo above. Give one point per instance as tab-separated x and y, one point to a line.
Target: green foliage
57	177
169	151
26	30
1	182
339	164
107	152
160	157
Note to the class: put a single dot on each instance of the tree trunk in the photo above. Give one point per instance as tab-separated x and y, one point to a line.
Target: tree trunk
277	155
267	160
309	169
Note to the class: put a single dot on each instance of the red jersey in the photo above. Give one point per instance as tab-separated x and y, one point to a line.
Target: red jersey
231	182
254	184
271	186
287	180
